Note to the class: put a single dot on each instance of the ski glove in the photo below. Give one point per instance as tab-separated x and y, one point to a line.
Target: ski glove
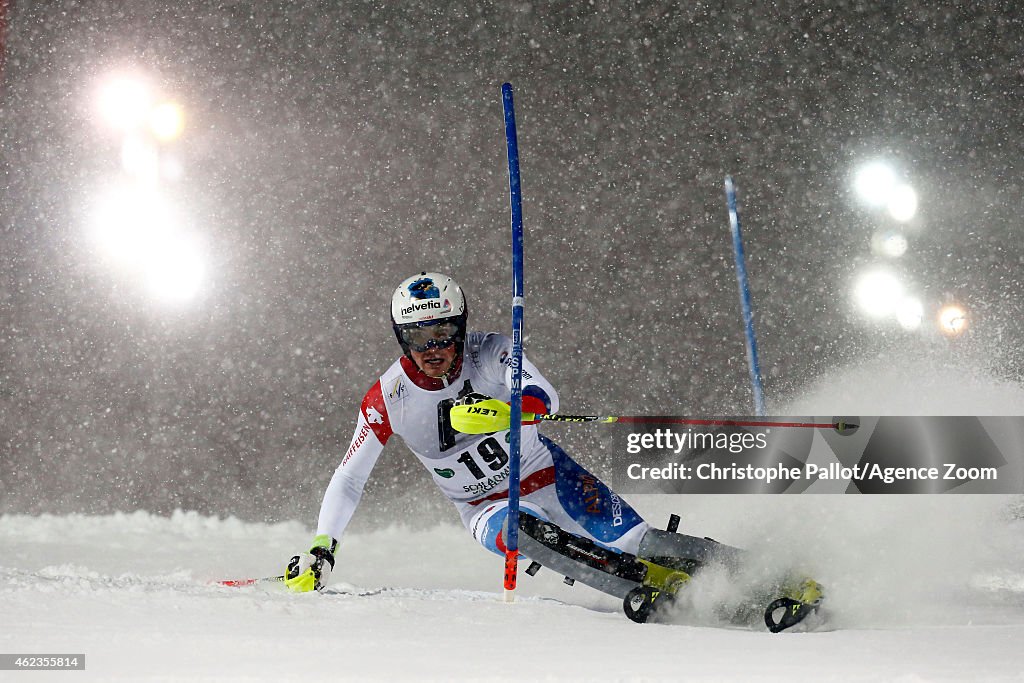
310	571
472	398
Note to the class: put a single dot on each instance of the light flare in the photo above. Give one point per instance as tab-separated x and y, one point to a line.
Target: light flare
138	234
878	293
167	121
953	320
124	101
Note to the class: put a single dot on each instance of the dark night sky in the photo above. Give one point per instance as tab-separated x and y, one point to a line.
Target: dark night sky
332	149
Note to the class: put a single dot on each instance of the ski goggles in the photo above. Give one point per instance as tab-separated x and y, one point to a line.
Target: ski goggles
437	336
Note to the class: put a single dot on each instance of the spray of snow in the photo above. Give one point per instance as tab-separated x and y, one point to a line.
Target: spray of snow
885	560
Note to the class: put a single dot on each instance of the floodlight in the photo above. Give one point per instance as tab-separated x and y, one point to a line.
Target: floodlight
874	182
174	273
952	320
878	292
902	203
909	313
889	244
124	101
167	121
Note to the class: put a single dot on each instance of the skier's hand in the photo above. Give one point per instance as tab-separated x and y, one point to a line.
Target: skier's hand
472	398
310	571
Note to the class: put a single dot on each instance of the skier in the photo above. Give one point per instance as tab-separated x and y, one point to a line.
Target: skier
572	521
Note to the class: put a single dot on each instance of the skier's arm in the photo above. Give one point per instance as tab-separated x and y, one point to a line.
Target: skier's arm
539	396
373	428
309	571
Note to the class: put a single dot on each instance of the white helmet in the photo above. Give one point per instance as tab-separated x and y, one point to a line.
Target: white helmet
425	300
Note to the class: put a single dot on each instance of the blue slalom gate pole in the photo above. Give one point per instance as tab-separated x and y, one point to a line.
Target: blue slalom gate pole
748	315
516	427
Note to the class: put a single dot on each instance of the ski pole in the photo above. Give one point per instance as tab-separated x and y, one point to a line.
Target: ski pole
674	419
493	415
241	583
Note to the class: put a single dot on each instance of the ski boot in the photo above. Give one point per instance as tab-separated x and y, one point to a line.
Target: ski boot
657	593
798	601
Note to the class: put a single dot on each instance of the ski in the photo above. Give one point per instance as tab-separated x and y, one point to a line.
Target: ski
242	583
652	588
655	602
784	613
274	580
358	593
649	587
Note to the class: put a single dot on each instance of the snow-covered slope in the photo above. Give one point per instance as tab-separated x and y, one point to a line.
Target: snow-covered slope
921	588
930	588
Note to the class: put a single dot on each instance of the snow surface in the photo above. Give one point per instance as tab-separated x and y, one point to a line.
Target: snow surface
921	588
926	588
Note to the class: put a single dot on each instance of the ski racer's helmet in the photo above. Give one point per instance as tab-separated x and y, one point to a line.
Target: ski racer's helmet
428	310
